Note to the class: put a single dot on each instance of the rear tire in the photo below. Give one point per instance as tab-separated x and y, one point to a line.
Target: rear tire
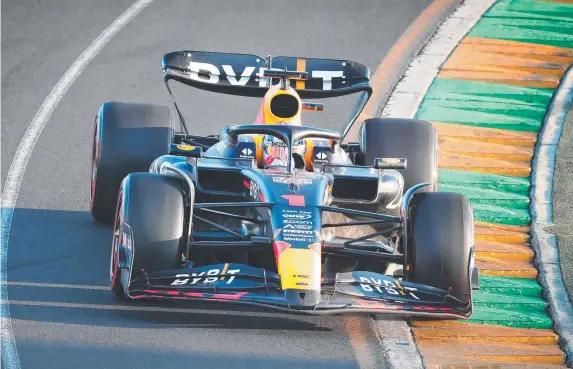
441	242
415	140
127	138
153	207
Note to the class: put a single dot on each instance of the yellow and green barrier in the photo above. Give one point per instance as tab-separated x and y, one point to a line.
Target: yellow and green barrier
488	104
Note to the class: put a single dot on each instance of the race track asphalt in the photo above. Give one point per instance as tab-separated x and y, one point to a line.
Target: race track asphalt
563	202
55	248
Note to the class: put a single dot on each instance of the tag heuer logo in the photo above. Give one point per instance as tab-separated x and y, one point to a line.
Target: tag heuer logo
321	155
247	151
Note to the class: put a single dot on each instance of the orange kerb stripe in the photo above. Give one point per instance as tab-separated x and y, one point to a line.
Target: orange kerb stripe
508	62
481	134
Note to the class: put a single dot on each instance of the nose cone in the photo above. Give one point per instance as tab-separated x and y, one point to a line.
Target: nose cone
280	106
299	267
302	298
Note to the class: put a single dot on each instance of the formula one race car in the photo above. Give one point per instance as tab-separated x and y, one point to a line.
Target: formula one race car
277	214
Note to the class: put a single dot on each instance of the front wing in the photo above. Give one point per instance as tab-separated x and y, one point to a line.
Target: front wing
353	292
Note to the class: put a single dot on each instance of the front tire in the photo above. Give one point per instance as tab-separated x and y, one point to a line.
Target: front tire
441	242
151	209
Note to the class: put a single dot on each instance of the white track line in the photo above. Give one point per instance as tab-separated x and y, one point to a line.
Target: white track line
23	153
56	285
397	343
543	242
411	89
157	309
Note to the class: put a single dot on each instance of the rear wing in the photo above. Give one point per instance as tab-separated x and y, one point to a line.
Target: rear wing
244	75
241	74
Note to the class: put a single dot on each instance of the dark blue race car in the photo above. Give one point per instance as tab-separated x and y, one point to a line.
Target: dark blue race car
277	214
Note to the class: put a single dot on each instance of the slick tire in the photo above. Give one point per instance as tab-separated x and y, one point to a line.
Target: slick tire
150	208
415	140
441	242
127	138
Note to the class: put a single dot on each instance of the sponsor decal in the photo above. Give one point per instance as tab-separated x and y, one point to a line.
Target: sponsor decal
295	180
277	143
384	286
220	147
297	215
209	73
186	147
298	225
255	191
321	156
210	276
296	221
246	149
326	77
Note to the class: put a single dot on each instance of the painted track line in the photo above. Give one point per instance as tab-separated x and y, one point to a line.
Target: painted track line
545	243
23	153
411	89
390	70
56	285
137	307
397	343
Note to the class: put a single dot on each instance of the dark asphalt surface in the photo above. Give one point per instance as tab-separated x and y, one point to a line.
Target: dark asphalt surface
563	202
53	238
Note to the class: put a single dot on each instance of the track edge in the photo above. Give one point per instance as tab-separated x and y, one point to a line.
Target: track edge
543	242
